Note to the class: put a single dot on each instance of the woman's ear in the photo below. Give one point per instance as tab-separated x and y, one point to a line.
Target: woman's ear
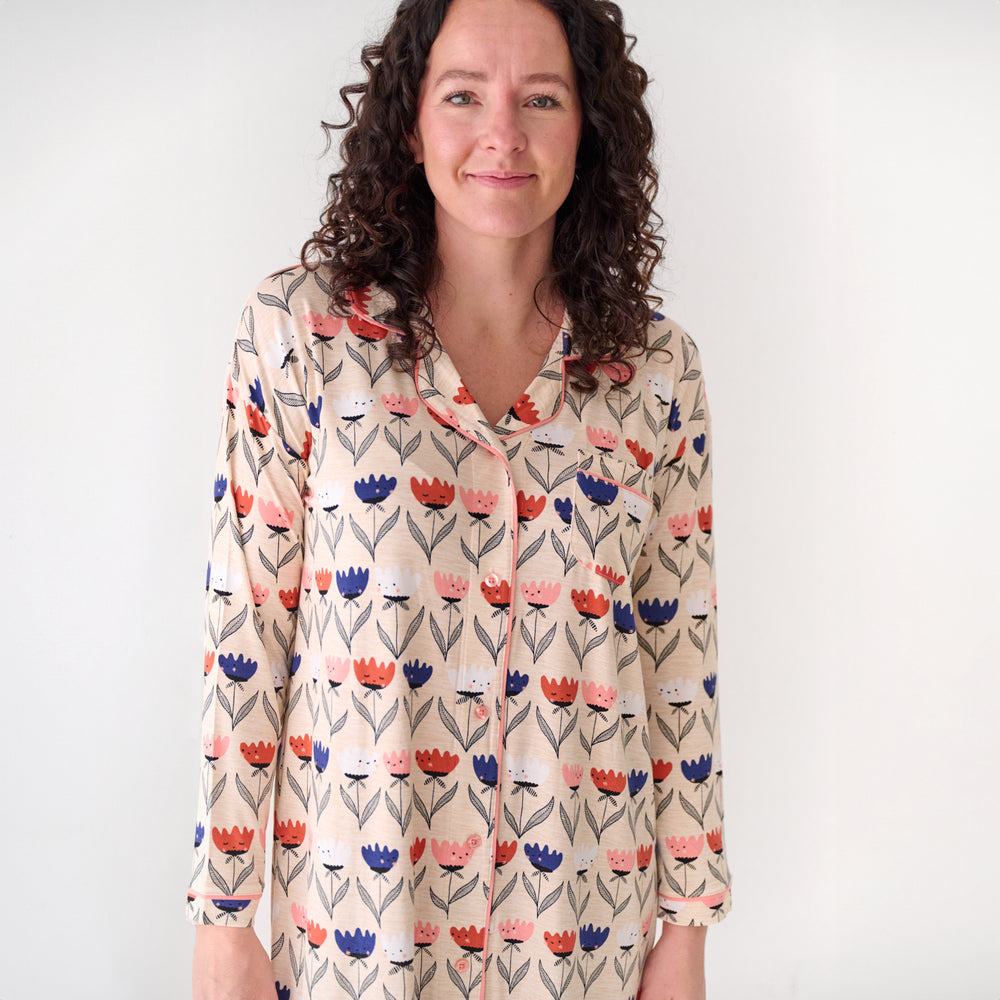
416	146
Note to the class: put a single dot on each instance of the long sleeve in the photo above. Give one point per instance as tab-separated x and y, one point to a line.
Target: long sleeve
675	616
252	594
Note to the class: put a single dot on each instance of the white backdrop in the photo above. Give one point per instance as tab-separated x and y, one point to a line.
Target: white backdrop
830	184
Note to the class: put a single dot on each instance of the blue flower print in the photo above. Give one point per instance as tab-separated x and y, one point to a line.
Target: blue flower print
656	613
351	583
236	668
220	487
360	944
417	673
321	756
314	410
208	575
698	444
697	771
486	769
257	395
636	781
516	682
564	508
708	683
231	905
372	490
592	937
624	617
296	663
379	859
597	490
284	992
544	859
674	423
199	834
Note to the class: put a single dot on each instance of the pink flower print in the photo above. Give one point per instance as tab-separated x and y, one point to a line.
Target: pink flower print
540	595
479	503
425	934
599	697
307	580
397	763
621	862
232	393
682	526
323	327
515	930
685	849
209	659
215	746
260	594
337	669
454	855
277	518
400	406
572	775
451	587
601	439
299	916
646	921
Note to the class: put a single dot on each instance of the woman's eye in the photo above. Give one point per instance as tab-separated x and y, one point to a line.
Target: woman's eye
460	99
543	101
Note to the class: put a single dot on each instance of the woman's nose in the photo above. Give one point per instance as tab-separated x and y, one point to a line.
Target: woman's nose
502	130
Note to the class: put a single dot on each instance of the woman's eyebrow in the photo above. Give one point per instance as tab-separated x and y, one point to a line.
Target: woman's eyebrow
478	76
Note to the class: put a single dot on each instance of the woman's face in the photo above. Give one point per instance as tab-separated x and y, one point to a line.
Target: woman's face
498	120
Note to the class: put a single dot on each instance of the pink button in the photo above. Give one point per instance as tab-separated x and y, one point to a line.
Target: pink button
482	711
474	840
492	580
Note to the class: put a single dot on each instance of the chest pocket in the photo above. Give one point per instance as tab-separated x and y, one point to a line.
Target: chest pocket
611	510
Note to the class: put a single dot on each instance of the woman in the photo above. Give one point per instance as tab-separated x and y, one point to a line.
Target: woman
461	597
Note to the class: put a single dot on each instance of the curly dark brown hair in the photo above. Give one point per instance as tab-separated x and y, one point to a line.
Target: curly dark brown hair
379	224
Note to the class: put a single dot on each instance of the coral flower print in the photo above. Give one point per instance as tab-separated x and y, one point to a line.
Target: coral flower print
462	675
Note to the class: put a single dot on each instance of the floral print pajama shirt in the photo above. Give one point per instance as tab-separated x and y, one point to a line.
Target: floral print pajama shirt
473	666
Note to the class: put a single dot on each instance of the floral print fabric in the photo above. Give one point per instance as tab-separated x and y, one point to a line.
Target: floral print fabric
474	664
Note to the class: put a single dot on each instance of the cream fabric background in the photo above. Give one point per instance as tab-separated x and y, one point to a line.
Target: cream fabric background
830	185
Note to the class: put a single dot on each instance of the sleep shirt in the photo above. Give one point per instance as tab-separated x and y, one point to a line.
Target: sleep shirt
476	664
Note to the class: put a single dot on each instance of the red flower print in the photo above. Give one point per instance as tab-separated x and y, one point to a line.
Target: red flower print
417	849
425	934
661	768
641	456
242	499
470	938
463	395
232	393
289	833
540	595
321	326
301	746
715	840
681	526
610	782
451	587
705	519
324	578
528	508
524	410
680	452
258	755
315	934
256	421
561	692
366	329
589	604
479	503
436	762
290	598
400	406
643	856
601	439
307	446
561	944
209	660
685	849
607	573
436	494
374	675
233	842
497	596
448	420
260	594
277	518
505	851
358	298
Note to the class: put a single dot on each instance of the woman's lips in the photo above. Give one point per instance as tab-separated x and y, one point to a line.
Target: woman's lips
501	180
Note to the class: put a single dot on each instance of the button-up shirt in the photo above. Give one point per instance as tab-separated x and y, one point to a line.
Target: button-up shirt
475	664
